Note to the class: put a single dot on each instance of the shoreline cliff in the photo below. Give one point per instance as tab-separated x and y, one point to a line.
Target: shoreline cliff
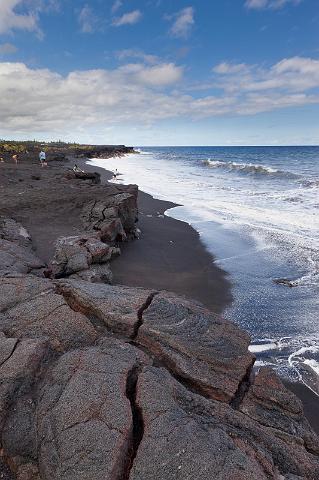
106	381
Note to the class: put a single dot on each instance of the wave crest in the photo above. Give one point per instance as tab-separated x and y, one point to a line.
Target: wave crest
244	167
142	152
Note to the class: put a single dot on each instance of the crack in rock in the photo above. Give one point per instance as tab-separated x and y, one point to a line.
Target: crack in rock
140	312
243	388
137	422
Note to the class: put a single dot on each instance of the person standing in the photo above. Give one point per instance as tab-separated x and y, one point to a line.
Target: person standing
42	158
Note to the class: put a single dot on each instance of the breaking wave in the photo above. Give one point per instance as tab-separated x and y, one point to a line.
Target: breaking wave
142	152
247	168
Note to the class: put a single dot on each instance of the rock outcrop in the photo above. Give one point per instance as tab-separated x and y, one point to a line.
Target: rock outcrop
16	249
87	256
118	383
75	255
115	217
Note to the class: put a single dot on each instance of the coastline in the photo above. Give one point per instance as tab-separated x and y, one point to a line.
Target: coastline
145	263
72	340
31	196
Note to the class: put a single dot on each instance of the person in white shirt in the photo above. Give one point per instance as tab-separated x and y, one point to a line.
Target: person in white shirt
42	158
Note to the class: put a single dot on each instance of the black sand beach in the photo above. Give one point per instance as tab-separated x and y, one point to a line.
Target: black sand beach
169	254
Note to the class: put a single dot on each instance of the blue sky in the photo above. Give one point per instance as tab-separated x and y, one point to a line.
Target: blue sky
160	72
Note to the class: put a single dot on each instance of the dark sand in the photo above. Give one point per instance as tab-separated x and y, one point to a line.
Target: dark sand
310	403
169	256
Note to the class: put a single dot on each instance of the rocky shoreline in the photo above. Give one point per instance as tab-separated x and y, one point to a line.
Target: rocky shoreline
102	381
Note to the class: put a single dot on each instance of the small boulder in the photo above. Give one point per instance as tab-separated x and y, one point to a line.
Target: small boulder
76	254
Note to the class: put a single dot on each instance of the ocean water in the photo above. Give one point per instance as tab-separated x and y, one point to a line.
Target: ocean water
257	211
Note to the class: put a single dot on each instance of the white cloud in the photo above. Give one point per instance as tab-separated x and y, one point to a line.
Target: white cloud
40	100
128	18
295	74
87	20
7	49
27	18
183	22
272	4
10	20
158	75
116	5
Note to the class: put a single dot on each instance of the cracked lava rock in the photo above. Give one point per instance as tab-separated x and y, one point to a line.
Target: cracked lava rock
102	382
110	382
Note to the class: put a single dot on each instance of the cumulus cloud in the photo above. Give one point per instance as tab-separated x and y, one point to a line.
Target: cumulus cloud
128	18
272	4
41	100
7	49
183	22
295	74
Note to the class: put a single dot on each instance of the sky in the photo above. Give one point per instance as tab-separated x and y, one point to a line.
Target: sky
160	72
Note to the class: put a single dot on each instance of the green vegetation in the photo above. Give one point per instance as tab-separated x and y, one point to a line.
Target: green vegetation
29	150
15	147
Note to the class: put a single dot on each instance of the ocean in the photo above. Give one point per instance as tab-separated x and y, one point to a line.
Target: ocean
257	211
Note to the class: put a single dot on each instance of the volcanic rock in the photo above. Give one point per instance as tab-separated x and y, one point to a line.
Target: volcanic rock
17	373
16	254
16	258
115	216
21	288
95	274
76	254
118	308
203	349
85	421
271	404
119	383
188	436
38	312
14	232
49	317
